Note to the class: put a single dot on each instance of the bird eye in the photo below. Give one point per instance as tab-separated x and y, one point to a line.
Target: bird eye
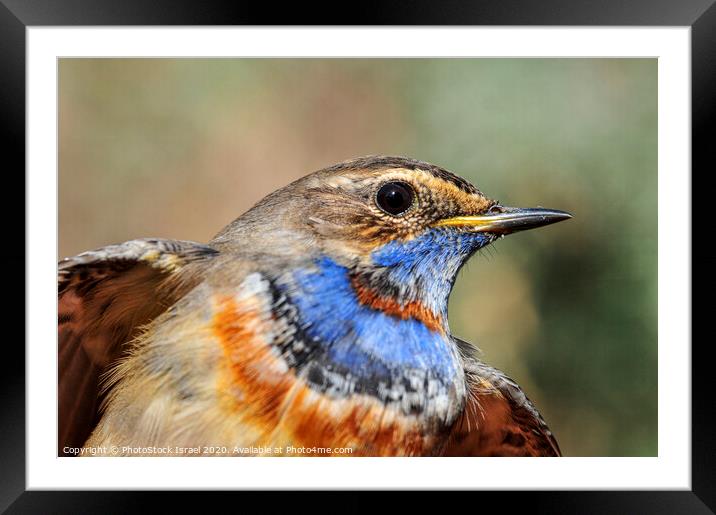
394	197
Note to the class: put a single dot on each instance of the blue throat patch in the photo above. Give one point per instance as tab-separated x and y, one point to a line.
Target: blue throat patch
367	342
428	265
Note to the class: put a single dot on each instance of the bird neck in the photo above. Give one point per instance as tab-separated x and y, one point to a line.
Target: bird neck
380	329
360	342
422	271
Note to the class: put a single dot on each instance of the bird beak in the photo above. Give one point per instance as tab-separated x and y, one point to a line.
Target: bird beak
506	220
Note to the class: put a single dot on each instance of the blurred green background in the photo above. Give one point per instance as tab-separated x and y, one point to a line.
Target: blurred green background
178	148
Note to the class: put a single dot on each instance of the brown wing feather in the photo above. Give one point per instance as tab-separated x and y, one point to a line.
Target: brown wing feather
499	419
104	297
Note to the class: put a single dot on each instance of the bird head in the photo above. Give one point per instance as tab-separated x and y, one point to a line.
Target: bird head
368	251
403	225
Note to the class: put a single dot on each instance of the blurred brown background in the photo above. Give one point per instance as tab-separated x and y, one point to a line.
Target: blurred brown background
178	148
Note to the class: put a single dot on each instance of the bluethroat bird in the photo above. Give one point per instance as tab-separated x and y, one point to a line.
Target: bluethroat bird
316	320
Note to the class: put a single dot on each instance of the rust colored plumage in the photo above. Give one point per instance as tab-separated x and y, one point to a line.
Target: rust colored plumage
409	309
284	408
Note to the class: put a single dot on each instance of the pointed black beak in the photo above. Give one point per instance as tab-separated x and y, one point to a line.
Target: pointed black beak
506	220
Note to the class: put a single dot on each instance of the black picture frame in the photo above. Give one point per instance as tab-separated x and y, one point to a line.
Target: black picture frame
17	15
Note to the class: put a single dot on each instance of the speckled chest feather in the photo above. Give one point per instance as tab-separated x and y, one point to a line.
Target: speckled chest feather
353	339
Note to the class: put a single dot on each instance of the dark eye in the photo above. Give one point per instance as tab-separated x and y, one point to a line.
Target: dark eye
394	197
